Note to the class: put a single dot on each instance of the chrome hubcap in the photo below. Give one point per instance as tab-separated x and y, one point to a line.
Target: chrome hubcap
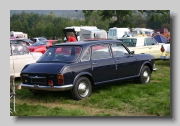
83	89
146	76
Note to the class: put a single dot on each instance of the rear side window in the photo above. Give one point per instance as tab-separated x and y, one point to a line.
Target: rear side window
118	50
101	52
87	54
149	42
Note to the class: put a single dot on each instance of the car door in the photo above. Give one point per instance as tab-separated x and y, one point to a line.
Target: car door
21	57
125	62
103	64
153	46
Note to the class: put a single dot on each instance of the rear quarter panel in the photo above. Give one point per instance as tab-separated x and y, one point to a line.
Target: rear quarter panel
73	71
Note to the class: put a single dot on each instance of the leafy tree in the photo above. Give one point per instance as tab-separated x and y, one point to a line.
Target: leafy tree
155	15
122	18
50	25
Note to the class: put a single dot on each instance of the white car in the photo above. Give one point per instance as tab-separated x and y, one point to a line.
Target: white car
19	57
143	45
165	49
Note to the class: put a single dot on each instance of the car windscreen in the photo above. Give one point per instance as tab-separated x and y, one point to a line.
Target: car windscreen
61	54
129	42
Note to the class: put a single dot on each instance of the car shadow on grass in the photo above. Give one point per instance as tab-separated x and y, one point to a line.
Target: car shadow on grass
51	96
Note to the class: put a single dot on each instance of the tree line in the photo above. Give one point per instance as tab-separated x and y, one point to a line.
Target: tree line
51	25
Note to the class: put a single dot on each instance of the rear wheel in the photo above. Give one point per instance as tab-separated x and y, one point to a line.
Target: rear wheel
145	75
82	88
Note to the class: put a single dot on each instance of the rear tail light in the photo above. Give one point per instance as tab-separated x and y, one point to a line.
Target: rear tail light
60	78
162	49
50	82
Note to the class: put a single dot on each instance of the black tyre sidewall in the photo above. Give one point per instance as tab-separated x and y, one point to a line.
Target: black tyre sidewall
74	91
141	75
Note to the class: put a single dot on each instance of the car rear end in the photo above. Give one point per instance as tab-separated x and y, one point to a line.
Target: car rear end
165	49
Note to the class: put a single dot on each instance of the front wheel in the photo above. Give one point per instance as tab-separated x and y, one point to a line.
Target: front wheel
145	75
82	88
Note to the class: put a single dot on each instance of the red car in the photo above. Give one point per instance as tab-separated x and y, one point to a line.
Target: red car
40	46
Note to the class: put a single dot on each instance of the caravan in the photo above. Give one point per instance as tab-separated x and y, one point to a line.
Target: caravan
86	34
117	33
77	30
16	34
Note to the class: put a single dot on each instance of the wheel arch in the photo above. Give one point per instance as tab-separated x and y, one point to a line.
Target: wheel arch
146	64
84	74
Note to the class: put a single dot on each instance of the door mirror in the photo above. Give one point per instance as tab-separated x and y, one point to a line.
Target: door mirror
132	52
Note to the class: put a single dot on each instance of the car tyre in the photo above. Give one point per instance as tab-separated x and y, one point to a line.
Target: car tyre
82	88
145	75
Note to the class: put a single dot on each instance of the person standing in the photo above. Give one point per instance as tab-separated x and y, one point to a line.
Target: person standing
71	38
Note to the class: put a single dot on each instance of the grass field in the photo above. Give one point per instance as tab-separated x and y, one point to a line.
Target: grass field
125	98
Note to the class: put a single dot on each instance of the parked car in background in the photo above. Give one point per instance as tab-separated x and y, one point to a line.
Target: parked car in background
143	45
40	46
36	39
165	51
19	57
51	40
29	41
20	41
80	66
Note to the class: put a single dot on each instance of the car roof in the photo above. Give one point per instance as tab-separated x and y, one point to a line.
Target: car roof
88	42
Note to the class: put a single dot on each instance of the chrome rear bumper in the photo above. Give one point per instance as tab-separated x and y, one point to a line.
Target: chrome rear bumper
47	88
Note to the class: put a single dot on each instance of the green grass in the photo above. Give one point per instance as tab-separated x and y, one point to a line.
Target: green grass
125	98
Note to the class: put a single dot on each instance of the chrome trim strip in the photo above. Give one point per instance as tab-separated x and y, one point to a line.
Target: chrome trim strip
117	79
47	88
36	77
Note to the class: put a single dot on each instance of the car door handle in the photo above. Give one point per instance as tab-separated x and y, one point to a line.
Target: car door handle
117	59
94	63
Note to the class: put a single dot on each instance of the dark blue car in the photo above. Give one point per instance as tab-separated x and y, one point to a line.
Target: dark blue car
79	66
